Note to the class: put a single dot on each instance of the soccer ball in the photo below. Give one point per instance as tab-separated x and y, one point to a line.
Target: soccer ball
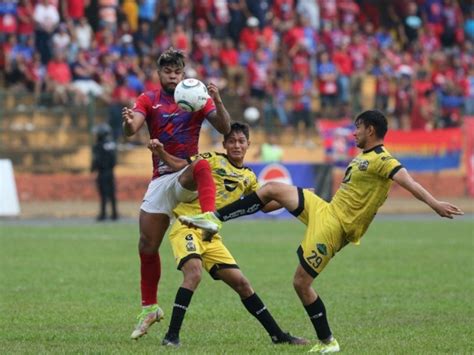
251	114
191	95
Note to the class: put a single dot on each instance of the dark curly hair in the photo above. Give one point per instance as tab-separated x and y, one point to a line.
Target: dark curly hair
171	57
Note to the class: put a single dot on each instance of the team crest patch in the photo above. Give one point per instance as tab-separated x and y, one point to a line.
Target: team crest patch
190	246
363	165
220	172
322	249
189	237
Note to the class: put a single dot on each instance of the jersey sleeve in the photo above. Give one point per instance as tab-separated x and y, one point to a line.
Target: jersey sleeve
142	105
208	107
387	166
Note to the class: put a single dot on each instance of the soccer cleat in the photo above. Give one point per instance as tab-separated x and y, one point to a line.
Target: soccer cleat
287	338
322	348
206	221
146	318
172	341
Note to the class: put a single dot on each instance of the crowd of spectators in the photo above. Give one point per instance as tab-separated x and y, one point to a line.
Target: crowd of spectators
295	60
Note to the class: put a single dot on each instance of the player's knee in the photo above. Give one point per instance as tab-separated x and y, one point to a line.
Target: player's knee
148	245
299	283
270	189
192	272
243	288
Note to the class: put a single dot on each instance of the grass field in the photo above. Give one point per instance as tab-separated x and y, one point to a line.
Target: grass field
408	289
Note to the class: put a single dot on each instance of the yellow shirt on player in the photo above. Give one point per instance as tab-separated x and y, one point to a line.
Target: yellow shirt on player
231	182
363	190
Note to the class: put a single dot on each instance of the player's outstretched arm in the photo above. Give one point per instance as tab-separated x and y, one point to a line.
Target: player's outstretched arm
172	161
132	121
444	209
220	118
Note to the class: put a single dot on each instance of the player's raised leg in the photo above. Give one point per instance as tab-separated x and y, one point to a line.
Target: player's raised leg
286	195
198	177
152	229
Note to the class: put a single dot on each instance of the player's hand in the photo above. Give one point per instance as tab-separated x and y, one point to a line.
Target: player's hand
214	93
127	115
155	146
448	210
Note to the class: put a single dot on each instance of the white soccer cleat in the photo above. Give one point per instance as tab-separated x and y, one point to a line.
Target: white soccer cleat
207	221
146	319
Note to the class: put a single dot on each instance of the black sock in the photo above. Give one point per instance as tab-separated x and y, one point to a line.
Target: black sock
181	303
317	314
255	306
246	205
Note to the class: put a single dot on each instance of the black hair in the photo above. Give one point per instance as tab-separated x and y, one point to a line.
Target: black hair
376	119
238	127
171	57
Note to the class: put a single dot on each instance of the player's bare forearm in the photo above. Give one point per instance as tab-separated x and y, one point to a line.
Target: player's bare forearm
221	122
220	118
175	163
444	209
131	121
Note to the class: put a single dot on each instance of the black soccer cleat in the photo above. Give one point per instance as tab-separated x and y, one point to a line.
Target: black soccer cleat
287	338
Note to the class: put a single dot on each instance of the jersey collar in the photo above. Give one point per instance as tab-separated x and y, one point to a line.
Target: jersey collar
230	162
373	148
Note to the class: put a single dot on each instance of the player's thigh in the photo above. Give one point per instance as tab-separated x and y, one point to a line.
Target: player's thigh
286	195
186	244
217	257
324	237
164	194
186	179
152	229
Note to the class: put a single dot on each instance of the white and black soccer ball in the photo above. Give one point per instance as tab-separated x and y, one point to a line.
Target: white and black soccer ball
191	95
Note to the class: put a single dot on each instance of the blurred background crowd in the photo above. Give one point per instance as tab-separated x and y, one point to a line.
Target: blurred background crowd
293	60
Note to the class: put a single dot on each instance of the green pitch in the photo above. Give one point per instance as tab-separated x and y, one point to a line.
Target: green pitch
408	289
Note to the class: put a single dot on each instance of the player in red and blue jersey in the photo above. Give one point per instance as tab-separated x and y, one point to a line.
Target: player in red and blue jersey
178	130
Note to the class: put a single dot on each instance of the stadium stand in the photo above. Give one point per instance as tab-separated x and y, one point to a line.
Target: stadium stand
66	66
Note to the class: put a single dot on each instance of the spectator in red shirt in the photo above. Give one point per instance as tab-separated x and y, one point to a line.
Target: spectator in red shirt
59	78
234	73
74	9
25	20
250	34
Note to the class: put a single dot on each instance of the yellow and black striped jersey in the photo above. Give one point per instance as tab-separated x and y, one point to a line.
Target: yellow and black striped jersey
231	182
364	189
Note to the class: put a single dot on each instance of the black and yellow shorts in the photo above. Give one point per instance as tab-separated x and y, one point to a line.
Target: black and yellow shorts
324	235
187	243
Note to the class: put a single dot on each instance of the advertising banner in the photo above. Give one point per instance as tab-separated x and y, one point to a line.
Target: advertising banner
426	151
417	150
317	176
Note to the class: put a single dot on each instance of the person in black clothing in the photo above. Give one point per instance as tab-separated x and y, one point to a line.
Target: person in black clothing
103	161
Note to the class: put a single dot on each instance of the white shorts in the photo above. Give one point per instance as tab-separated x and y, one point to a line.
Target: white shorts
164	193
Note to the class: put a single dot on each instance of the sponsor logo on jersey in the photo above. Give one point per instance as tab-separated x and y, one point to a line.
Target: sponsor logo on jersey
363	165
190	246
230	185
